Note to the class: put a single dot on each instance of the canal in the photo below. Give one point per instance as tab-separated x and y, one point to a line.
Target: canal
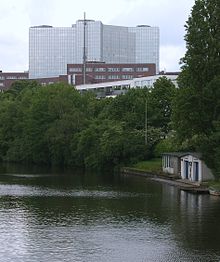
51	215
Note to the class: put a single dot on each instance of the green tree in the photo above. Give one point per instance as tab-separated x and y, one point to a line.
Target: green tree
196	108
159	102
201	62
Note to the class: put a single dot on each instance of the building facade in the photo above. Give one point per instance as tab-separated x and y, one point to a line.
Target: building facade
186	165
114	88
97	72
52	48
7	78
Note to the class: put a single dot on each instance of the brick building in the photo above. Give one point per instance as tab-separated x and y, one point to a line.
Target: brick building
98	72
7	78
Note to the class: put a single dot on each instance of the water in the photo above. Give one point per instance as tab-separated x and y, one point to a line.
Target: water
69	216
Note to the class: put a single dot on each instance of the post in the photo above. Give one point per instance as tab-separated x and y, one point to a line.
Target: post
84	49
146	122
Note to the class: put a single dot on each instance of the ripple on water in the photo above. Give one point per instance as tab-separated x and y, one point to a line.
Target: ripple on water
24	191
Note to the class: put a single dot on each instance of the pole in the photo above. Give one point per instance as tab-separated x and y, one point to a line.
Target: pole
84	49
146	122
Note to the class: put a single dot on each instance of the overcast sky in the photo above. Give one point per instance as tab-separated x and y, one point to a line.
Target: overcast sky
18	15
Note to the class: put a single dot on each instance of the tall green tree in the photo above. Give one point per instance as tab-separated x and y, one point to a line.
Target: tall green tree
159	102
196	108
201	62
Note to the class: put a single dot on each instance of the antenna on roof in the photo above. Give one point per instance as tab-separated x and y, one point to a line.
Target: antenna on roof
84	49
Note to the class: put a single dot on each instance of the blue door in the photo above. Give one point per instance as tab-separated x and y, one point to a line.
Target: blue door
196	171
186	168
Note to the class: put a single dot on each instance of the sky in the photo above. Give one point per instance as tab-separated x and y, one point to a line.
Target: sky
18	15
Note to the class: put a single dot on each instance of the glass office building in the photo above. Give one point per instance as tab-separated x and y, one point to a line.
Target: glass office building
52	48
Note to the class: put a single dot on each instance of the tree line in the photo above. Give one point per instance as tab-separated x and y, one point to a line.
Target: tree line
57	125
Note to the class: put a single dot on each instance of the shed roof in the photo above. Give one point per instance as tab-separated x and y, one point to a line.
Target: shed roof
177	154
195	154
181	154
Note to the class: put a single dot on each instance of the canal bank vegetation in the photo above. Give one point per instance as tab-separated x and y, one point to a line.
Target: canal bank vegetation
56	125
196	109
195	118
151	166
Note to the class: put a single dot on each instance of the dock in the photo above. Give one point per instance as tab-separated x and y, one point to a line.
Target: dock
182	184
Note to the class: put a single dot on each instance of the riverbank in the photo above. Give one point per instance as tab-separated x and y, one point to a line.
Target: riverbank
152	170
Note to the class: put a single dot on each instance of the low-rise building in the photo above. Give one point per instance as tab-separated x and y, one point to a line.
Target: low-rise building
187	165
101	72
7	78
119	87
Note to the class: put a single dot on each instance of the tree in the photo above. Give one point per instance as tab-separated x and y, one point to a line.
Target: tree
159	103
201	62
196	108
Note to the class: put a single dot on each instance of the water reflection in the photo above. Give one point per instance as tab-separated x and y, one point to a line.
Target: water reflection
100	217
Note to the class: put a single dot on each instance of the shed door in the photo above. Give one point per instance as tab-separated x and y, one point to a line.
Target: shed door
196	171
186	169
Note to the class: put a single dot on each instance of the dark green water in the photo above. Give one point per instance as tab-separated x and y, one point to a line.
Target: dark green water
68	216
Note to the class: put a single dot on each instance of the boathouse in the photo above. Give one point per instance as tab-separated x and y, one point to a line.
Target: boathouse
194	168
171	163
186	165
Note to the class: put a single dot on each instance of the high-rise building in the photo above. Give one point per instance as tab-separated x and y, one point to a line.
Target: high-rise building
52	48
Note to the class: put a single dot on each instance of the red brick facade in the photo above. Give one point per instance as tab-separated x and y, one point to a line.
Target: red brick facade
97	72
6	79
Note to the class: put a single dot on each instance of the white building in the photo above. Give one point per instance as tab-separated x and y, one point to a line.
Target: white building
187	165
193	168
52	48
139	82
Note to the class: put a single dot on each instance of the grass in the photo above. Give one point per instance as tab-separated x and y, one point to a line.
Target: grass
153	165
214	184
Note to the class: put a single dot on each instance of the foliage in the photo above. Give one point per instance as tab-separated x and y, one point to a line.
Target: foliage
166	145
196	109
201	62
56	125
160	104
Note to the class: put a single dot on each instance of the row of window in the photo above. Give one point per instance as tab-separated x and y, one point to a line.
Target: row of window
12	77
110	69
167	161
114	77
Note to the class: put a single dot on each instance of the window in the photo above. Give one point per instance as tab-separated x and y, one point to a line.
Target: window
99	77
22	77
142	69
127	76
89	69
113	69
99	69
11	77
75	69
114	77
127	69
168	161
